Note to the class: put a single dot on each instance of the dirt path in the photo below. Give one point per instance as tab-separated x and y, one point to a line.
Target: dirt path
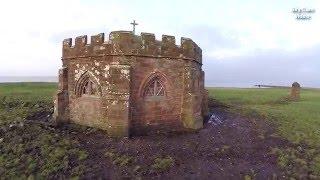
231	147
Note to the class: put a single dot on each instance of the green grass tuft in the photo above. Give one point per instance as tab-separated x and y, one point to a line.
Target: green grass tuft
163	164
118	159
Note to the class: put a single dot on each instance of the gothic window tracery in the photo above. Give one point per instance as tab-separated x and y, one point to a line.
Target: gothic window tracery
85	86
89	88
154	88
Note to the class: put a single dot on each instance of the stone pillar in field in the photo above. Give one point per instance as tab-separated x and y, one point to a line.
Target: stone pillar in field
118	99
295	91
61	102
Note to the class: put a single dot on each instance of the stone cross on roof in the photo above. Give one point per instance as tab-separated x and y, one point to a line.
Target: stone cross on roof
134	26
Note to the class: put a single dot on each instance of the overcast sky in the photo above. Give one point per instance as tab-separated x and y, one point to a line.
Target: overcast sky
243	42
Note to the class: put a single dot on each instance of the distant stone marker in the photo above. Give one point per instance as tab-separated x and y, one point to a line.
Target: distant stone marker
295	91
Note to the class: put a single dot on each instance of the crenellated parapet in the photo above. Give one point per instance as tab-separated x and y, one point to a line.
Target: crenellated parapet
128	44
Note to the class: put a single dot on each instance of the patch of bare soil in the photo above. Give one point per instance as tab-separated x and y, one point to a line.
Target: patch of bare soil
228	147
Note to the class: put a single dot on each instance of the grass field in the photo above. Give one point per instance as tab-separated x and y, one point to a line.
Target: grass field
30	150
18	100
299	122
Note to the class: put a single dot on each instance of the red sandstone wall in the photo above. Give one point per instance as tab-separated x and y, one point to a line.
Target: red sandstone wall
121	68
164	111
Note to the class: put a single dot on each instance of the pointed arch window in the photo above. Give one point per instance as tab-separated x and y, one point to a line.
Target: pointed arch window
86	86
154	88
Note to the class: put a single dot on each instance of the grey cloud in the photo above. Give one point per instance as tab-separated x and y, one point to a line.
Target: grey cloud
210	38
60	36
274	67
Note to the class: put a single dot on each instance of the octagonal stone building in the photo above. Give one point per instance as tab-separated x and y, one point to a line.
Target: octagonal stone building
131	85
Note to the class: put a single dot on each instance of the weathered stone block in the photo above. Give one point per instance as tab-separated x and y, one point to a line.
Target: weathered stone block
295	91
61	107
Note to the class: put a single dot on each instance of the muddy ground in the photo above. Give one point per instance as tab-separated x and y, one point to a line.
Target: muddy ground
228	147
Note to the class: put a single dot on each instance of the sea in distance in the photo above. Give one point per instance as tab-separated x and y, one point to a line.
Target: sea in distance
15	79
